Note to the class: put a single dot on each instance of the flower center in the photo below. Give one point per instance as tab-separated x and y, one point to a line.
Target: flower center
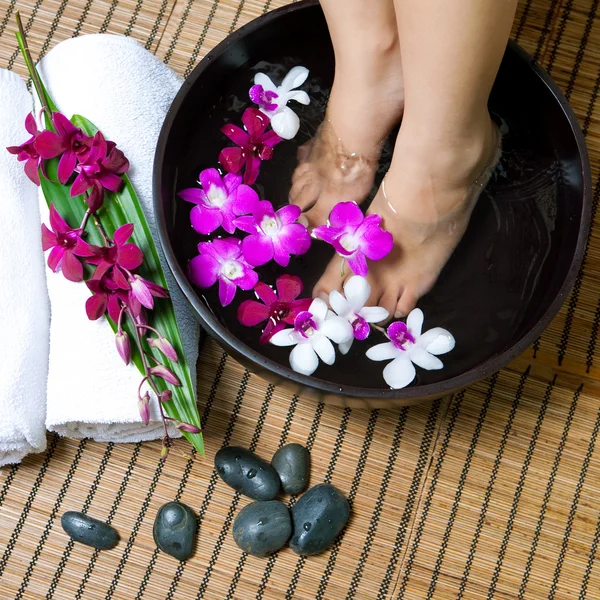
399	335
216	196
349	242
231	269
279	311
305	324
269	226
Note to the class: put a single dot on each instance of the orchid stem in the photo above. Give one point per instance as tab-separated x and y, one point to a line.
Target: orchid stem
380	329
85	219
31	68
105	238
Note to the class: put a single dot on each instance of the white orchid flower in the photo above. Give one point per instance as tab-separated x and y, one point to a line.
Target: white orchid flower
352	308
407	346
272	100
313	332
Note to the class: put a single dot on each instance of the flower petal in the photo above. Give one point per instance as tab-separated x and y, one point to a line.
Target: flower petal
246	223
376	243
299	96
205	219
56	255
326	233
289	214
399	373
204	270
32	170
251	313
339	304
95	306
265	81
357	290
227	291
227	247
130	256
344	347
270	139
66	166
193	195
286	123
325	350
374	314
211	178
71	267
48	144
111	181
289	287
58	224
385	351
358	264
232	159
423	359
80	185
318	308
257	249
346	214
295	238
48	239
295	78
248	279
252	169
255	122
30	124
236	134
336	329
123	233
266	293
246	200
414	322
437	341
281	254
303	359
64	127
284	338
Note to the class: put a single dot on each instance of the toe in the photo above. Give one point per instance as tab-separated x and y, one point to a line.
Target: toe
300	170
304	192
389	300
408	301
317	215
303	152
332	279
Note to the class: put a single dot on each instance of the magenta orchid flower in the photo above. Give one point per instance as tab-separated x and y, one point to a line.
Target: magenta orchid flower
264	98
222	260
254	145
355	237
100	170
144	292
273	235
68	140
119	256
65	245
27	151
279	309
106	296
216	202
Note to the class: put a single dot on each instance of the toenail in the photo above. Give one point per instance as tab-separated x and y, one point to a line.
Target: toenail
303	220
323	296
399	315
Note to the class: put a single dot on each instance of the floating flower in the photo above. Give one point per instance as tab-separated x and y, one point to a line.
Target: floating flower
353	309
255	144
273	235
272	100
313	332
355	237
408	346
118	256
279	308
100	170
222	260
68	140
66	245
216	202
27	151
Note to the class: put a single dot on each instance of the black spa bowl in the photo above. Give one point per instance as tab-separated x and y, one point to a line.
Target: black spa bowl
504	283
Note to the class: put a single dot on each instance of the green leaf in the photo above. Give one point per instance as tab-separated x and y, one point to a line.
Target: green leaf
117	210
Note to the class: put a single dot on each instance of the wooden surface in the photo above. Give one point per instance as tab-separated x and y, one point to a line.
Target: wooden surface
493	493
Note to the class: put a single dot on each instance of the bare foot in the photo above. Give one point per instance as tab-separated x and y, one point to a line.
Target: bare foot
426	201
340	162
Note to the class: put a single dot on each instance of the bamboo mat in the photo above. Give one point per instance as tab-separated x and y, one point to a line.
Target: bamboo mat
493	493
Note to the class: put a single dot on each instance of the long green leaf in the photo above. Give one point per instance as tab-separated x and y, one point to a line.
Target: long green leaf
119	209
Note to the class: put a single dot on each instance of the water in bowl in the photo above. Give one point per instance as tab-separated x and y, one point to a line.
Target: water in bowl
482	296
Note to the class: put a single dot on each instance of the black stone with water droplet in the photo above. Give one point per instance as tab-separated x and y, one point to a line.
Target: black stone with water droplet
175	530
247	473
89	531
292	463
262	527
317	518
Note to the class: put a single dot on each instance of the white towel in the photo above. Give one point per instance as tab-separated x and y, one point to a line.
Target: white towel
126	92
24	307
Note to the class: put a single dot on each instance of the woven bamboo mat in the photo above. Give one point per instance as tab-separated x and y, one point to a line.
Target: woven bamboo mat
493	493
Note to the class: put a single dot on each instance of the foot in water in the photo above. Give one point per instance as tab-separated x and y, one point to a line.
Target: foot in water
426	201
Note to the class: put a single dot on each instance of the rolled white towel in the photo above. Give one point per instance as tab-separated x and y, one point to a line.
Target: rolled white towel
126	92
24	306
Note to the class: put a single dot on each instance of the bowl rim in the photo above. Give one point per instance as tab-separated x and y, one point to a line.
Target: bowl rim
432	390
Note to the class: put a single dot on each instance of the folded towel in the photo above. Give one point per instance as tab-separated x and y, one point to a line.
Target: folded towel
24	307
126	92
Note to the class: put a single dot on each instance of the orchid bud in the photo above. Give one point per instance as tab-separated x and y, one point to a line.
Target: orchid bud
163	344
144	408
123	346
166	396
164	452
188	427
166	374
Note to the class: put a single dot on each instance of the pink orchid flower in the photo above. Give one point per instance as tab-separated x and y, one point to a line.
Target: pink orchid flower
254	144
216	202
68	140
119	256
143	292
66	245
279	308
100	170
264	98
355	237
27	151
222	260
273	235
106	296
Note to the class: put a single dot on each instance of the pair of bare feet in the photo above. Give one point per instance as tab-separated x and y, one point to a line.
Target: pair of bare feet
428	194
